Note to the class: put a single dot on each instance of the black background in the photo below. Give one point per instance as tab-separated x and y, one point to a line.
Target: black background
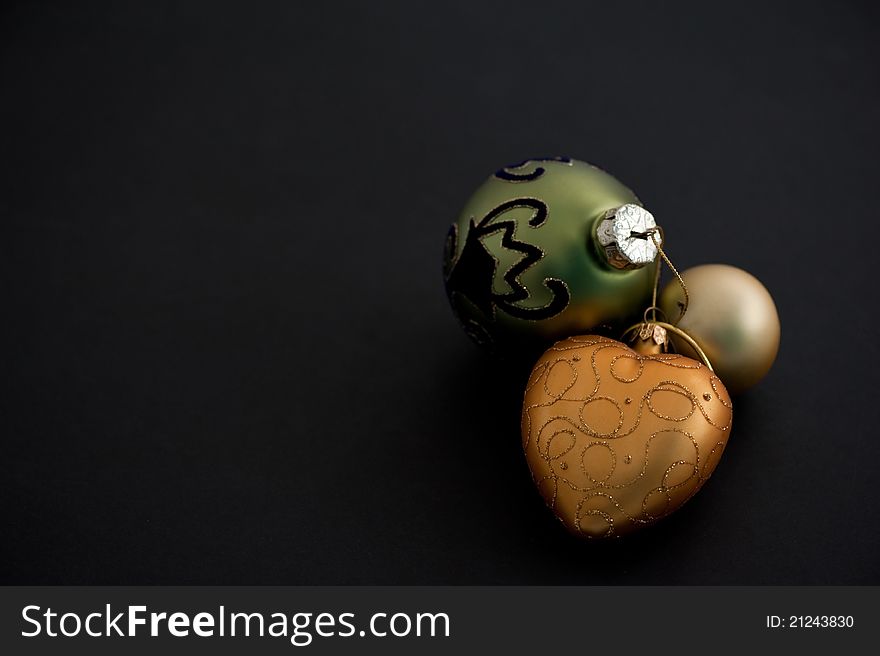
227	353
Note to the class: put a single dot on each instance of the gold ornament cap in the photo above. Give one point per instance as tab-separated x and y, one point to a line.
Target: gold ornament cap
624	234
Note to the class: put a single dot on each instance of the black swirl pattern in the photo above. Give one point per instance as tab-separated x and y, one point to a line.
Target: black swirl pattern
472	273
519	172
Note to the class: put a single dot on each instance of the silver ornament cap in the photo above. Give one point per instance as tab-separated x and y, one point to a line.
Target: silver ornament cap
625	234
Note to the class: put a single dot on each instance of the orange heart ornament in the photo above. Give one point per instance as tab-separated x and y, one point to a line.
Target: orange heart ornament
616	439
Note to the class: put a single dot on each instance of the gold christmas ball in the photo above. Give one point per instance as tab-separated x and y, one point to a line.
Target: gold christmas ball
731	315
616	440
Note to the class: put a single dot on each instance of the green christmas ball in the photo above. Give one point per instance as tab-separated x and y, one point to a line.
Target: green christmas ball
545	249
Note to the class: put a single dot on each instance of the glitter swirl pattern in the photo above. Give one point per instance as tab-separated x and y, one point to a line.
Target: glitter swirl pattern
616	440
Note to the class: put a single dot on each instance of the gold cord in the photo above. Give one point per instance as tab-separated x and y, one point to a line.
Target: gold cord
653	309
682	308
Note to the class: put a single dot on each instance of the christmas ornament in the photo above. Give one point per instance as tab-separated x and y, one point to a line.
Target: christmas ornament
616	440
731	316
616	436
545	249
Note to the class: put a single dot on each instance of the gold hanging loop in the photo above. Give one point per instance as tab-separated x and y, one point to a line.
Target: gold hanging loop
653	309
